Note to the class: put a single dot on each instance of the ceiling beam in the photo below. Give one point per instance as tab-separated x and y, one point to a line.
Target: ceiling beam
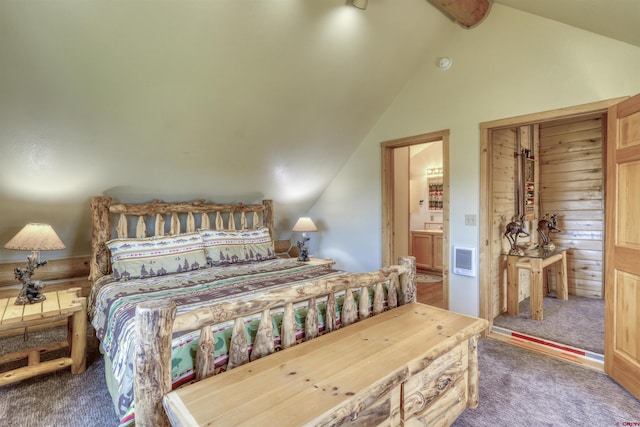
468	13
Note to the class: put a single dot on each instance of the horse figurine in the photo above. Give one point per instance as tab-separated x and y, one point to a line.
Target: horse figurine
514	230
547	225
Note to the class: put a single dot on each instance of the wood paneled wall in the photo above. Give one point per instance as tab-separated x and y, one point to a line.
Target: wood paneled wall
503	172
57	274
570	161
572	185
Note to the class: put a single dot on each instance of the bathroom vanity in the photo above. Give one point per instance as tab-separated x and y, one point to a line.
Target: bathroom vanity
426	247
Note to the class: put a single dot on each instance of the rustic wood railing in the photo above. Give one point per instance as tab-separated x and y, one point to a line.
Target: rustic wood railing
157	321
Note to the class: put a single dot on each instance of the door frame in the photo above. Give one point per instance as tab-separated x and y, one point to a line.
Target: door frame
387	148
486	179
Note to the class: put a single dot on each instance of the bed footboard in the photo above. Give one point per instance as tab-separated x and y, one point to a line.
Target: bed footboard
156	322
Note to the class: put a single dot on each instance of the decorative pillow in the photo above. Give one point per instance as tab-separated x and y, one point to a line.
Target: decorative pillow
259	245
156	256
224	247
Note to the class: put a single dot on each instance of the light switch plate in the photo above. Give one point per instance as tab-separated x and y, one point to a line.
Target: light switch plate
470	219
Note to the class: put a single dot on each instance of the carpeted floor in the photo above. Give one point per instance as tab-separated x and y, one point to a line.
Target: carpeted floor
57	399
522	388
578	322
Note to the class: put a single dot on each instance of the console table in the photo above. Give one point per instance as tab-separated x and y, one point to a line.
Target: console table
536	261
413	365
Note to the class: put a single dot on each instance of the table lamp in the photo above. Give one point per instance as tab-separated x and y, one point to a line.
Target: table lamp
304	225
35	238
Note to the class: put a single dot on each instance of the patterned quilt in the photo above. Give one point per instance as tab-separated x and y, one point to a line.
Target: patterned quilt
112	306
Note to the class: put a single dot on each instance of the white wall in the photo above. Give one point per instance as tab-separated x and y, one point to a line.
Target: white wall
178	100
512	64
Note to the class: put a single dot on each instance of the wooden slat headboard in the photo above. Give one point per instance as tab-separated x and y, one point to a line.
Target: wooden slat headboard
167	218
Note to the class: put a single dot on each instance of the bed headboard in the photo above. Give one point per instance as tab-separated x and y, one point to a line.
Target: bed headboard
158	218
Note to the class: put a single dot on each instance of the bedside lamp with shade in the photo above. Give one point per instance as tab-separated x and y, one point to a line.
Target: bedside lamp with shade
35	238
304	225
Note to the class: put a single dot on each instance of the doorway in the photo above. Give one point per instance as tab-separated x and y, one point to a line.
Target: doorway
397	218
584	230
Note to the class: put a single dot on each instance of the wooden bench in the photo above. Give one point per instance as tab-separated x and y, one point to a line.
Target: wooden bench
415	363
57	306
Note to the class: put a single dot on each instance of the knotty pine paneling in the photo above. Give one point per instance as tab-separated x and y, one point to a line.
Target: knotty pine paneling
571	162
503	193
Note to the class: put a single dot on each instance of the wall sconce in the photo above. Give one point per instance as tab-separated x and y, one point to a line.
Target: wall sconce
35	238
361	4
304	225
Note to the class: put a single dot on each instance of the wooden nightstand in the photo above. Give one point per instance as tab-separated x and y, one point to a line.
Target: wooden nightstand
327	262
59	305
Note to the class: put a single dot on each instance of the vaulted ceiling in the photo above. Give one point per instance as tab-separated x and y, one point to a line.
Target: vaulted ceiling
617	19
230	100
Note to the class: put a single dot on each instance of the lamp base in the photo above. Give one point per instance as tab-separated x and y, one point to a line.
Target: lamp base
304	250
30	292
304	256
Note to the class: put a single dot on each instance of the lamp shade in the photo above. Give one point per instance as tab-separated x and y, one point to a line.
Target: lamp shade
305	224
35	237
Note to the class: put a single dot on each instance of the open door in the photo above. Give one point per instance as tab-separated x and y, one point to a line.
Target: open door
622	266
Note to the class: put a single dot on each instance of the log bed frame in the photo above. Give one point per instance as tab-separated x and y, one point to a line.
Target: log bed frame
155	322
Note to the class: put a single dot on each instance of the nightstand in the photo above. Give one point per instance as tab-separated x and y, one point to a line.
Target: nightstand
58	305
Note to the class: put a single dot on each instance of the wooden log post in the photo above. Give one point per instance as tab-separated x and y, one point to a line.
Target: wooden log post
363	303
205	354
152	361
311	320
101	233
392	293
288	330
468	13
263	344
238	351
330	314
408	280
474	374
349	313
378	299
267	216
